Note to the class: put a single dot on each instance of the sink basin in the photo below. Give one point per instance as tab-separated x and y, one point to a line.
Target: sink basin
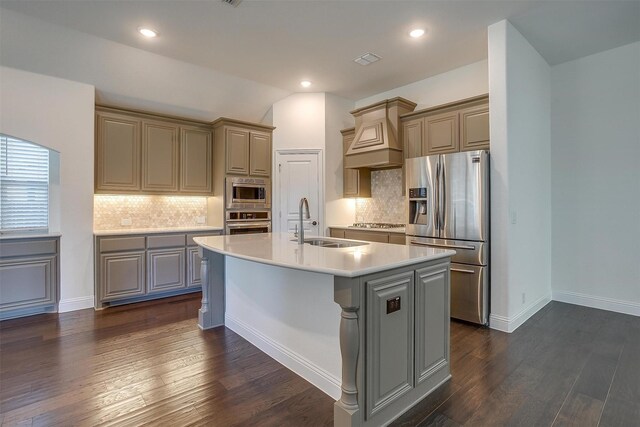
326	243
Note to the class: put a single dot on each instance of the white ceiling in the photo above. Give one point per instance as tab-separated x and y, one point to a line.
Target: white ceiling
279	43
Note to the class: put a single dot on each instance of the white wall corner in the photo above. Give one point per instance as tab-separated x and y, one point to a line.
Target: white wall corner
510	324
73	304
594	301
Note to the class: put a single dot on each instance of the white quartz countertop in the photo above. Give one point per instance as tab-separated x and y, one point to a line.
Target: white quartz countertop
278	249
12	236
120	231
400	230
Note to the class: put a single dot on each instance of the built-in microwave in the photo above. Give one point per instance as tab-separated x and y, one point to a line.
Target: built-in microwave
248	193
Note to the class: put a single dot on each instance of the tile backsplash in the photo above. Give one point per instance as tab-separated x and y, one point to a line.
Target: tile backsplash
147	211
386	203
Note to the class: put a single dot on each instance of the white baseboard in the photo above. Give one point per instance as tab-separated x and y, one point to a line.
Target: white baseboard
302	366
603	303
510	324
73	304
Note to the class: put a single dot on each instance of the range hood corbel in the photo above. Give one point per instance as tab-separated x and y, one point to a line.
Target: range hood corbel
376	144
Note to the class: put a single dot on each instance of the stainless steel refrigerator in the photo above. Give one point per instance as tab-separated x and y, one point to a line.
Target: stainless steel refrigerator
448	207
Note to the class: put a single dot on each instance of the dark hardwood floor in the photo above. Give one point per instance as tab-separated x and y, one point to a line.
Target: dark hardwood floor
148	363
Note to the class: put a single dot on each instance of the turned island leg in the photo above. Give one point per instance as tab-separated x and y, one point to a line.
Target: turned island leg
347	294
211	313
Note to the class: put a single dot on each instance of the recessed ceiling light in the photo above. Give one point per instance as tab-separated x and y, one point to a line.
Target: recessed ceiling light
305	83
418	32
147	32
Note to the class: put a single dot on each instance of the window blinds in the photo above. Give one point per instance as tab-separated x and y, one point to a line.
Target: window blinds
24	185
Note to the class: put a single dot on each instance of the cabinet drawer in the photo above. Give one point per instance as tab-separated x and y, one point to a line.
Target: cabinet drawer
28	248
369	236
190	237
397	239
122	244
169	241
336	232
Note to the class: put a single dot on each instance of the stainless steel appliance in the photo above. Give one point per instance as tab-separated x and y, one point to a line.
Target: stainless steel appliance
449	208
248	222
248	193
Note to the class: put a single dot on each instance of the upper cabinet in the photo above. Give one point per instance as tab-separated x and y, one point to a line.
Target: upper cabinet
475	128
117	152
356	182
159	157
140	153
196	150
246	147
459	126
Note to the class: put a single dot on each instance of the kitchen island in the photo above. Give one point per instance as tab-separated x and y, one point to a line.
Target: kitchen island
367	323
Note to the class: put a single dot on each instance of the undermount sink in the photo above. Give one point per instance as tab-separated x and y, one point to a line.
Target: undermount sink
326	243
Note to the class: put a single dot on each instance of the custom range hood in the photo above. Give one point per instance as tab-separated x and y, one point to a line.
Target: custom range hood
376	144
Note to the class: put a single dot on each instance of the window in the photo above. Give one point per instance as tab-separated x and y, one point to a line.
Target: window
24	185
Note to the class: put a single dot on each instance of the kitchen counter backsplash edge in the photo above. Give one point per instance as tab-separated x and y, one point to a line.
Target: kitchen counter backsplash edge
155	230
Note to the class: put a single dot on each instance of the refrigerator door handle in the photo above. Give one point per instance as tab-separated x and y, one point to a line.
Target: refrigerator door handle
437	245
460	270
436	199
443	196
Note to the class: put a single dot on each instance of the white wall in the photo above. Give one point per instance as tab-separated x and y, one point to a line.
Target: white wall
338	210
59	114
314	120
595	128
290	315
460	83
130	77
521	170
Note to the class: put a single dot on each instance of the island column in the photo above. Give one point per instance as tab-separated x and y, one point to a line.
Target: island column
347	294
212	274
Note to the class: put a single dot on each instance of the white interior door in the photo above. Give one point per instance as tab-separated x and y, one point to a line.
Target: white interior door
298	175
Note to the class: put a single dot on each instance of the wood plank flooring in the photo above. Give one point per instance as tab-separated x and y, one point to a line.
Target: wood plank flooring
149	364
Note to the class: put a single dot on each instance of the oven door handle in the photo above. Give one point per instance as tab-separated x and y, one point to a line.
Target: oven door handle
245	224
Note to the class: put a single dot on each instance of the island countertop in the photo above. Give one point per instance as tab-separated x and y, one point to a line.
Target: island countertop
281	249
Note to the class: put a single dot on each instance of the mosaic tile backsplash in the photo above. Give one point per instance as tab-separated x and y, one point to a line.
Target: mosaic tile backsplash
147	211
386	203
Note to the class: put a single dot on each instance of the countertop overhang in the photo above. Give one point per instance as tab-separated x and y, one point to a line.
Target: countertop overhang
281	249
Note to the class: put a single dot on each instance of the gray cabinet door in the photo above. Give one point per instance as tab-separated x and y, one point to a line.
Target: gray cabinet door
193	268
159	157
27	282
260	154
474	128
122	275
237	151
432	320
196	160
389	340
117	153
165	270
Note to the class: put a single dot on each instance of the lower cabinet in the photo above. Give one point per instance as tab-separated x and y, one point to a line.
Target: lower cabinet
165	270
138	266
29	271
389	339
122	275
432	320
406	336
193	268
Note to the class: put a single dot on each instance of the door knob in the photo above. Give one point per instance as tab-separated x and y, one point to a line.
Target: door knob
314	223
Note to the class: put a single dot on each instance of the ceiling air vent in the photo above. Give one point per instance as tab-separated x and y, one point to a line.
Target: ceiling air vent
233	3
367	58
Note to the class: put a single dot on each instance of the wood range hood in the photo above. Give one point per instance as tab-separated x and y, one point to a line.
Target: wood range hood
376	144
